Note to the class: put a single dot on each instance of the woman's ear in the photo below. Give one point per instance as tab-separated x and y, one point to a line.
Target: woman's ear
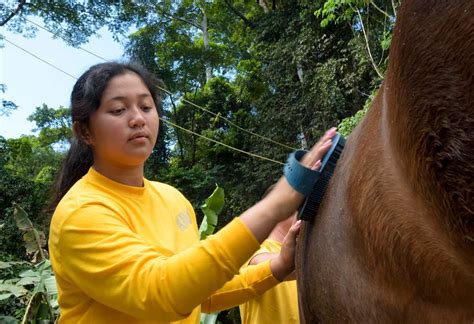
82	132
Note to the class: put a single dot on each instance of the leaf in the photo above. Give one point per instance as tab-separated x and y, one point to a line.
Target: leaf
50	285
13	289
211	209
34	240
5	296
29	273
21	218
6	265
215	202
8	319
28	281
208	318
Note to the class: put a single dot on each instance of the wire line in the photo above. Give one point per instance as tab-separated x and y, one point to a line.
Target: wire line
170	93
223	144
39	58
227	120
161	118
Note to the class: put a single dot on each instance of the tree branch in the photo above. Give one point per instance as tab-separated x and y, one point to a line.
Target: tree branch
378	8
367	44
192	23
394	10
239	14
13	13
263	4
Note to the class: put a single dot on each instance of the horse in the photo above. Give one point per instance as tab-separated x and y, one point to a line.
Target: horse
393	240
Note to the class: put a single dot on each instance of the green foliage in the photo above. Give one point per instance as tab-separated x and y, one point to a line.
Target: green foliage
208	318
34	239
32	295
35	290
348	124
53	125
6	106
211	208
372	20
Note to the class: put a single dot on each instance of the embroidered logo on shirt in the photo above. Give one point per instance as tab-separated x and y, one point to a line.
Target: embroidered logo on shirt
183	220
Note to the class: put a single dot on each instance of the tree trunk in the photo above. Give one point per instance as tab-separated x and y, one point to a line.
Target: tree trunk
205	35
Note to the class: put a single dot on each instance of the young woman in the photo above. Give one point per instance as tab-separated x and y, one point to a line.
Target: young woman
125	249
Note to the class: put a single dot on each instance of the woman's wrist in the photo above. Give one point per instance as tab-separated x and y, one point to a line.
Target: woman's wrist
283	200
280	269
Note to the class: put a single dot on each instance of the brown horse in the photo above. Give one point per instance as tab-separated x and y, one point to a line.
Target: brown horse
393	240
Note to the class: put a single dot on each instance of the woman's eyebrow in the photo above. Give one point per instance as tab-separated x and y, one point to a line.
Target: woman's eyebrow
121	98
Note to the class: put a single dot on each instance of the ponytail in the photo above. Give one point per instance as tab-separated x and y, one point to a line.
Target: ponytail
76	164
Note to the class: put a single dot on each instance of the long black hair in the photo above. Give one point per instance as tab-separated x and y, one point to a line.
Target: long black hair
85	99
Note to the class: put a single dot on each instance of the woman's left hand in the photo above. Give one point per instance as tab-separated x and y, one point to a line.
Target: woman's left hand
283	265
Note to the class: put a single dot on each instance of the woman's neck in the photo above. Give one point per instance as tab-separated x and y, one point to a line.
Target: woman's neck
130	176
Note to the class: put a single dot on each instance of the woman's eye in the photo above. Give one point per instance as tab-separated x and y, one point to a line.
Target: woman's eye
117	111
147	108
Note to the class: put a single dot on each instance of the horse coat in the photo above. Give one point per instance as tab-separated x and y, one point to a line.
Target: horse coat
393	240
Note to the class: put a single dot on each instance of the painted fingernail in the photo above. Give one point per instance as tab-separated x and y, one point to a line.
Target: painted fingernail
316	165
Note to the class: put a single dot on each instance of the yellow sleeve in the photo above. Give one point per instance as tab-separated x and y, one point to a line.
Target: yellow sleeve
250	283
111	264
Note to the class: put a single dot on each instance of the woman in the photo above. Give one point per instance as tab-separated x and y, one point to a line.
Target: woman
125	249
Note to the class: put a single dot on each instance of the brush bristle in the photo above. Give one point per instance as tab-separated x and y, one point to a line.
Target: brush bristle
312	203
309	209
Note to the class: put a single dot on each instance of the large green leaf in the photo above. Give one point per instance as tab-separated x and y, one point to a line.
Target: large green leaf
34	239
9	289
6	265
8	319
211	209
50	285
208	318
28	281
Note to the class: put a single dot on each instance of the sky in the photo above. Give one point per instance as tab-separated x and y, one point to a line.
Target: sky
30	82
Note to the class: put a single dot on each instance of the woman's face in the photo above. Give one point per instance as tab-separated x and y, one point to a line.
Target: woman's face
123	130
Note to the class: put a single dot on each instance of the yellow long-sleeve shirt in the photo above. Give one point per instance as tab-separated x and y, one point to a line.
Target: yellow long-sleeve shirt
125	254
278	305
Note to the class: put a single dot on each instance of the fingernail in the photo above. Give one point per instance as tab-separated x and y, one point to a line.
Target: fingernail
316	165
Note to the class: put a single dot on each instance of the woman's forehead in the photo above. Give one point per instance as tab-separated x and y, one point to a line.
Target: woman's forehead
124	86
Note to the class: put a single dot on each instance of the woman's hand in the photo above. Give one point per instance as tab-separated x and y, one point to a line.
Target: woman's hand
283	264
283	200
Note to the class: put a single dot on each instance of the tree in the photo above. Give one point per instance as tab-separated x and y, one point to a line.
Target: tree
7	105
373	20
53	125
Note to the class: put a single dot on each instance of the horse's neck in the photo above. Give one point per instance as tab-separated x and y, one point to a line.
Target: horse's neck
402	242
428	99
413	157
392	237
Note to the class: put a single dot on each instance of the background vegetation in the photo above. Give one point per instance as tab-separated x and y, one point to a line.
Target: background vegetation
284	70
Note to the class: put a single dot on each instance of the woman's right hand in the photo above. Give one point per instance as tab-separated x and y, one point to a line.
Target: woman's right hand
283	200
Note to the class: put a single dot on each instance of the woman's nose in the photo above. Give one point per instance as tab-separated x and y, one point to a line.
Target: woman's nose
136	119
